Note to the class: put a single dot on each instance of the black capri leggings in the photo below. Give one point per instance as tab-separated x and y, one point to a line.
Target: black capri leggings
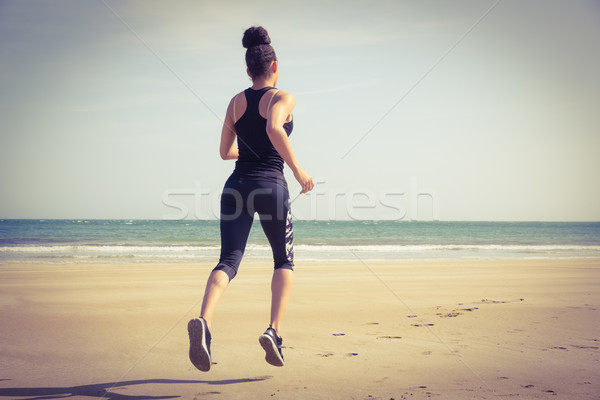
241	198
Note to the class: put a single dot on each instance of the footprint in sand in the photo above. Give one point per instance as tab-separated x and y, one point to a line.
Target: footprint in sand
450	315
585	347
488	301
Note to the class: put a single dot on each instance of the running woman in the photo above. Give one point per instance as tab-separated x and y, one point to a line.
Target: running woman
260	118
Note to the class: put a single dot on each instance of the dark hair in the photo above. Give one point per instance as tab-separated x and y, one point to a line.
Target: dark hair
259	54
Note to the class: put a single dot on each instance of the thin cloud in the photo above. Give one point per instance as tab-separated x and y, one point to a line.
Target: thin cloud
340	88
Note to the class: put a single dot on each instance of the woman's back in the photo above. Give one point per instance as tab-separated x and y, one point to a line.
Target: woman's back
257	155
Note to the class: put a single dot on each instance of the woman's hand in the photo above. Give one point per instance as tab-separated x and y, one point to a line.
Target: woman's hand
305	180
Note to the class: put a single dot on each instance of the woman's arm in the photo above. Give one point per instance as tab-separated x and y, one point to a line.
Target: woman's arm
228	148
281	108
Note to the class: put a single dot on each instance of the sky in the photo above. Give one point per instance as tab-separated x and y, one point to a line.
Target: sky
462	110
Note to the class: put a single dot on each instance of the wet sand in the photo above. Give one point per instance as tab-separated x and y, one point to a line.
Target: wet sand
525	329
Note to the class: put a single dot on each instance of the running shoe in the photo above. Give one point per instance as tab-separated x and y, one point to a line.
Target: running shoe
272	345
199	344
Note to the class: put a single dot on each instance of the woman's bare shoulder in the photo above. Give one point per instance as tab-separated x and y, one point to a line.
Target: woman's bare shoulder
285	97
237	97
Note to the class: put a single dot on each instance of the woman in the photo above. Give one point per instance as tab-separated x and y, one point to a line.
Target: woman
261	120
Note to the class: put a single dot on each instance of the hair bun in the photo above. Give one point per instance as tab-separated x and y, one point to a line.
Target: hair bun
255	36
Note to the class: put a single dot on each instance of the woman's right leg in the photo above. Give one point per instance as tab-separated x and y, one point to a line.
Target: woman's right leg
281	287
276	220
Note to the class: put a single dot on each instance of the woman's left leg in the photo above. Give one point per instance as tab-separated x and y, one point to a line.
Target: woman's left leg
235	225
215	287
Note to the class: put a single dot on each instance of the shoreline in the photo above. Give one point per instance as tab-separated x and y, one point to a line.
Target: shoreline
453	329
158	241
248	260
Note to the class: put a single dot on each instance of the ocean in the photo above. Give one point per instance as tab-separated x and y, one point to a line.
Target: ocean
145	241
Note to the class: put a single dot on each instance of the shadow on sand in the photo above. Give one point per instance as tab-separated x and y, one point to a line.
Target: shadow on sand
106	390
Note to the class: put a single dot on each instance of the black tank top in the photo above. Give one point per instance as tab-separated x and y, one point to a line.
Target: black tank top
257	156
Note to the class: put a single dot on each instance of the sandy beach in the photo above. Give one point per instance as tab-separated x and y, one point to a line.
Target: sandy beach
525	329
